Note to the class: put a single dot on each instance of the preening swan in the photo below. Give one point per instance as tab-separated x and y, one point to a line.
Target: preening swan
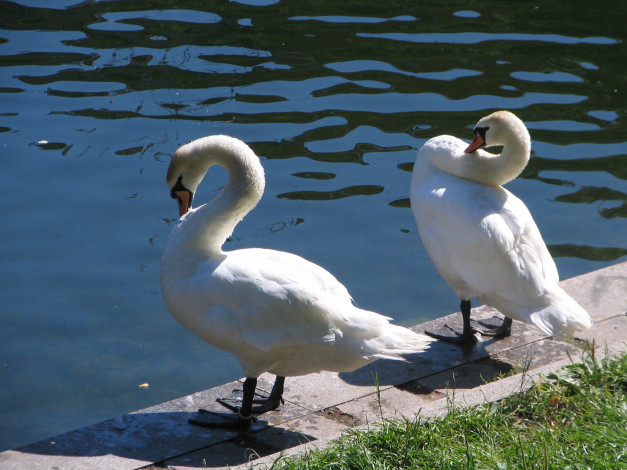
275	311
481	238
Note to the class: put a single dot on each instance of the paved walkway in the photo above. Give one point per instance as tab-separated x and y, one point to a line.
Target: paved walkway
319	407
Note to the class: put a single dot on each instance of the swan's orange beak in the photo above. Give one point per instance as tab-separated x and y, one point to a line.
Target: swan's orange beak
476	143
182	198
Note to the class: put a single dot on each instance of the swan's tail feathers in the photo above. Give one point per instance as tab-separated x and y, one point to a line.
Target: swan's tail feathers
562	318
397	341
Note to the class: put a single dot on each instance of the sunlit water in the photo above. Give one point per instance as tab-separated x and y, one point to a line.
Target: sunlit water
336	97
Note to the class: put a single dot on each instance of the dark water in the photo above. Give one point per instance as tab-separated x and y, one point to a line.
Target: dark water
336	97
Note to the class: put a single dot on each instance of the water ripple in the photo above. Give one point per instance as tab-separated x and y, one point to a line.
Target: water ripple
352	19
359	66
123	21
477	38
547	77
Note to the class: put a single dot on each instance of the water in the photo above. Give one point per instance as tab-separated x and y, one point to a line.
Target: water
335	97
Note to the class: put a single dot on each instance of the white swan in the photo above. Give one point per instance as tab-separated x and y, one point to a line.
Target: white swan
481	238
274	311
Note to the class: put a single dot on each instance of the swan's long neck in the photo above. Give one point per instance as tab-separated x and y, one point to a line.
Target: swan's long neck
206	228
488	168
485	167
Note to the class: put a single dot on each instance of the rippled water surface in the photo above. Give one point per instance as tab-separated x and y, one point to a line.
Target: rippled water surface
336	97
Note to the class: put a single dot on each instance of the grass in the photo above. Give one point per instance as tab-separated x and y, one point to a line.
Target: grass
573	419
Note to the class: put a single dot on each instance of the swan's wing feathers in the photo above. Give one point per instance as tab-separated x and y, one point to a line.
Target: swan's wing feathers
278	299
289	269
529	254
481	238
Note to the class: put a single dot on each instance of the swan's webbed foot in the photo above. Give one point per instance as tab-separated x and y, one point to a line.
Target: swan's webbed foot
245	411
269	403
215	419
465	337
266	403
501	330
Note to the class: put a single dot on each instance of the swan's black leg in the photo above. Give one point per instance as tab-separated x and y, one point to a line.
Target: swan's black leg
274	400
213	419
497	331
468	332
467	335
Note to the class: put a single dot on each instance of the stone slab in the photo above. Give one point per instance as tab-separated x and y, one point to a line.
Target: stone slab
603	292
313	430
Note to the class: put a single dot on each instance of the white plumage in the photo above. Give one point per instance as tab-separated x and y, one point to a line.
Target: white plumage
273	310
483	239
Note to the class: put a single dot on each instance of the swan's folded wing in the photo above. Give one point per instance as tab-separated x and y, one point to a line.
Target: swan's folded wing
482	239
529	235
531	260
271	299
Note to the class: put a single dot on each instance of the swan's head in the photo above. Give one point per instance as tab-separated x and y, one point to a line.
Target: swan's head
184	176
499	128
191	162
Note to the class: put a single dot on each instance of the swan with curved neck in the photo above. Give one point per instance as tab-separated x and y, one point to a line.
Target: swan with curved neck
475	164
275	311
483	239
